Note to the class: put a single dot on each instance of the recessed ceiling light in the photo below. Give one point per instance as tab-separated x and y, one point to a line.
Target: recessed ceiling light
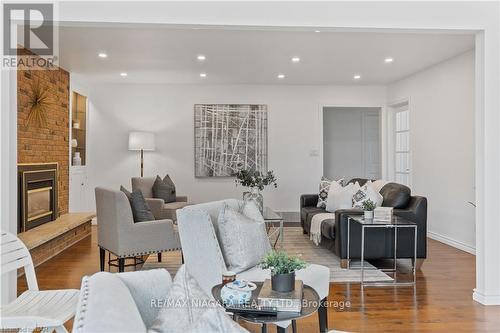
317	30
295	59
201	57
102	55
203	74
356	77
388	60
123	74
281	76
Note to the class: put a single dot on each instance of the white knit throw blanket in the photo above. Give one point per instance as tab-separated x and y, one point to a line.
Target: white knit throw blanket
315	231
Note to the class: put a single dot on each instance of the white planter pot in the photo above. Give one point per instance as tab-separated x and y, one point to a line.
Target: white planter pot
368	214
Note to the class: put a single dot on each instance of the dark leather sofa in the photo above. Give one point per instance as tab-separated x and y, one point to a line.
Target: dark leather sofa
378	242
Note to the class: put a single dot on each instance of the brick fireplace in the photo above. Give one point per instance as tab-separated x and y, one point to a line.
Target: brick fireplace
48	143
45	225
37	188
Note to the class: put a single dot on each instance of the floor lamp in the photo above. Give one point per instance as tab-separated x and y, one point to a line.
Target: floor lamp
141	141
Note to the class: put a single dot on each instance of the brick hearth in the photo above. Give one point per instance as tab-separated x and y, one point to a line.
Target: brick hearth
50	239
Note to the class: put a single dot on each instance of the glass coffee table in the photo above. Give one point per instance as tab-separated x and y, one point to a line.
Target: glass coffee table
271	218
395	223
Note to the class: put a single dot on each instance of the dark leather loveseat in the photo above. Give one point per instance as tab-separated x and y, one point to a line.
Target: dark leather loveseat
378	242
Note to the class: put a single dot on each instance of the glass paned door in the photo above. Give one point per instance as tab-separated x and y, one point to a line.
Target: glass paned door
402	167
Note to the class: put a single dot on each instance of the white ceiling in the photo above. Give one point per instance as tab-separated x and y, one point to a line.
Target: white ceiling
168	55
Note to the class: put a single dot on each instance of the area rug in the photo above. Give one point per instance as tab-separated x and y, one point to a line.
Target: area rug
298	244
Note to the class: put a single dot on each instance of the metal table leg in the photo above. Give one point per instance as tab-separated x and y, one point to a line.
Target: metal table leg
362	255
415	257
348	242
282	234
395	252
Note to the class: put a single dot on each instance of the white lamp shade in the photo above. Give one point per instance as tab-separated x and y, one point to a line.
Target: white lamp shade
141	140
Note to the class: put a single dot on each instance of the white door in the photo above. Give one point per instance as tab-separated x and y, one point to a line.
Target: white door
78	190
402	152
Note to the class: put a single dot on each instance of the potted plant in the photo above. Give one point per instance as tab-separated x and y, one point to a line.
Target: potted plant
368	207
283	269
255	181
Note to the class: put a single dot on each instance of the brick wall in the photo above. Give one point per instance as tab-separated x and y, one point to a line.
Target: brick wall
46	144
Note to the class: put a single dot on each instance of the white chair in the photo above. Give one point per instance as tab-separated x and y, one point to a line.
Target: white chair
204	260
34	308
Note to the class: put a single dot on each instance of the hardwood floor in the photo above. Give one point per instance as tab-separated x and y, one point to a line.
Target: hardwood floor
441	302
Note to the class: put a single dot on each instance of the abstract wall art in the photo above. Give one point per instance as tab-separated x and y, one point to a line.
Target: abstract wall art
229	138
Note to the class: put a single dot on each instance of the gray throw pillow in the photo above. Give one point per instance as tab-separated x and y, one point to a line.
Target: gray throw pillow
244	241
140	208
127	192
164	189
187	309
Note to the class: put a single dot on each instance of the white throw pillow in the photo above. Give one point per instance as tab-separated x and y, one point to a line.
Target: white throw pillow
188	309
341	198
367	192
244	241
378	184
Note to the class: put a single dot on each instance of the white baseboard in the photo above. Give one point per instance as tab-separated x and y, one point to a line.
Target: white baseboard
451	242
485	299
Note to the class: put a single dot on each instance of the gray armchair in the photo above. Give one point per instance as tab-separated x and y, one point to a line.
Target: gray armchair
160	209
119	235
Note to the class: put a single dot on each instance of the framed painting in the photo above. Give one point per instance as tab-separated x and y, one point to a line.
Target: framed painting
229	138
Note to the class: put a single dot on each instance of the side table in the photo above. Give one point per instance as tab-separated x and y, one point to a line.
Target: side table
395	223
310	305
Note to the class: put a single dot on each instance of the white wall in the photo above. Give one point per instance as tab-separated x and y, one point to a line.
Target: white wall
442	143
345	145
482	17
167	110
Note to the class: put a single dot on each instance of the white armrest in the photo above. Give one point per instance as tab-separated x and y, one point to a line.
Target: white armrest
146	287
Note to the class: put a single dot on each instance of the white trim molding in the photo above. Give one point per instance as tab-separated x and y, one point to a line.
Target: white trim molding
485	299
451	242
8	171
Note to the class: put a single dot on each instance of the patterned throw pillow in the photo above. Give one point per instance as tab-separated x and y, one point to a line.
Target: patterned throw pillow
366	192
324	188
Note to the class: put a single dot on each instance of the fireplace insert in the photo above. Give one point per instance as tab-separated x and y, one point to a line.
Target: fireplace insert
37	195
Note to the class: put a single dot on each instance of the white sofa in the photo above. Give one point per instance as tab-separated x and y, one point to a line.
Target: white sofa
204	260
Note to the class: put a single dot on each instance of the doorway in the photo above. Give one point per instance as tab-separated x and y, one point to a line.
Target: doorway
351	142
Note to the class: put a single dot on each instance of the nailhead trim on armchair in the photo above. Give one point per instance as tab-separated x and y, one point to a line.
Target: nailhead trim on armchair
140	253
